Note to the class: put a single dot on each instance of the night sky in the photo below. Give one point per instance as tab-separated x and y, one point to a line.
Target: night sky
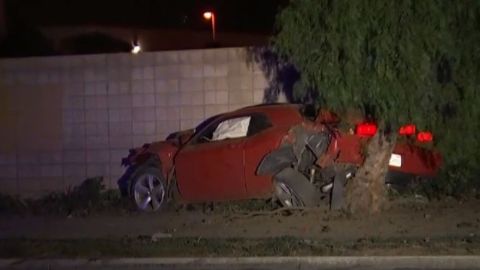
256	16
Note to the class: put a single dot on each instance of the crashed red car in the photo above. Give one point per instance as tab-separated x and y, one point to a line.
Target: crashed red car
263	151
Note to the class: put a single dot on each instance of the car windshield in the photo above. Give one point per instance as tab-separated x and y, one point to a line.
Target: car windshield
205	123
199	127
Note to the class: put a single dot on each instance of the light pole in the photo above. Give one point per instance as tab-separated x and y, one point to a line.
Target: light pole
209	15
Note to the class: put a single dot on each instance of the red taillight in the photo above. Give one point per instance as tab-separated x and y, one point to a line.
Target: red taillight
425	136
407	130
366	129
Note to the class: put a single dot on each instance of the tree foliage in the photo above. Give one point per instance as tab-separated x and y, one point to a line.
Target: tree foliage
399	61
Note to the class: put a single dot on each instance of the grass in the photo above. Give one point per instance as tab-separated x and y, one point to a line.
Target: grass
89	197
198	247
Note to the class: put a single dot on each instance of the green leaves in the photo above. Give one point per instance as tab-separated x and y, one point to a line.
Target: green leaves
411	61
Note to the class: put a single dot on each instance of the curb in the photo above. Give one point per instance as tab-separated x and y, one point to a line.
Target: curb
386	262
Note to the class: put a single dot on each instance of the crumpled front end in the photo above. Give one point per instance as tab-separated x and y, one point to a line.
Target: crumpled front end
158	154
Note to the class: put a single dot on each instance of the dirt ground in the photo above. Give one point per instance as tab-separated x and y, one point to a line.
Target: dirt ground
412	218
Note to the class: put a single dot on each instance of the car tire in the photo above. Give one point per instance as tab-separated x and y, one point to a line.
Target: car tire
337	194
293	189
148	189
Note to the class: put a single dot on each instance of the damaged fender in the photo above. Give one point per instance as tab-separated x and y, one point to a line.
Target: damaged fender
277	160
298	153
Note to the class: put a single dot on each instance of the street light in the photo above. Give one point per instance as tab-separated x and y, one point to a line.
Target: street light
136	48
209	15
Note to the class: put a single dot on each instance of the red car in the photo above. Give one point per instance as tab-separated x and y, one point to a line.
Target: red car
262	151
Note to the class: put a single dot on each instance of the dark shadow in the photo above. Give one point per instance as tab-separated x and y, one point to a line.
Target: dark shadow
281	75
24	40
124	181
95	42
213	44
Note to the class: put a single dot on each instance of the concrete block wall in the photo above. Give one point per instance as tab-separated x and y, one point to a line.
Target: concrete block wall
64	119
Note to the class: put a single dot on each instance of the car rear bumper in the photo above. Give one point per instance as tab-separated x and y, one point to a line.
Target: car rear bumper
404	181
414	160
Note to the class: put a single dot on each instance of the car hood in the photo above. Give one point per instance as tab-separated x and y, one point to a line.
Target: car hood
165	150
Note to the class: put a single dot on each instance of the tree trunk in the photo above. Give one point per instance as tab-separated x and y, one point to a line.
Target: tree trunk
366	193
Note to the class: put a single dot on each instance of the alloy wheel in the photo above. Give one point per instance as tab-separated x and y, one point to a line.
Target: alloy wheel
149	192
286	196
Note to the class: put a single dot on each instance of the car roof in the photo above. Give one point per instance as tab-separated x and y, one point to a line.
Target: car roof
272	107
280	114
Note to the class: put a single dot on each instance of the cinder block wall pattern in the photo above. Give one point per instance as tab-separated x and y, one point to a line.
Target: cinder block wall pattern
65	119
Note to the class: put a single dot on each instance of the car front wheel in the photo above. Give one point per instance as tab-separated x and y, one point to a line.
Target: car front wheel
148	189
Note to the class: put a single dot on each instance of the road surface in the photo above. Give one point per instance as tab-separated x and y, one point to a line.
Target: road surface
263	263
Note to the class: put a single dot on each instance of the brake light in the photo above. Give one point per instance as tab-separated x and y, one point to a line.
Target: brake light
425	136
366	129
407	130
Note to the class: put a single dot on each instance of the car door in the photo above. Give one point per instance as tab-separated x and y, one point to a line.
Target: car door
211	166
263	137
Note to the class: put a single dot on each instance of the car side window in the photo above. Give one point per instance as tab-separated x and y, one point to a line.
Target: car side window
258	123
232	129
227	129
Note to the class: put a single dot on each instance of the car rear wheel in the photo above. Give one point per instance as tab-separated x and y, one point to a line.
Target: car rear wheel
286	196
148	189
293	189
